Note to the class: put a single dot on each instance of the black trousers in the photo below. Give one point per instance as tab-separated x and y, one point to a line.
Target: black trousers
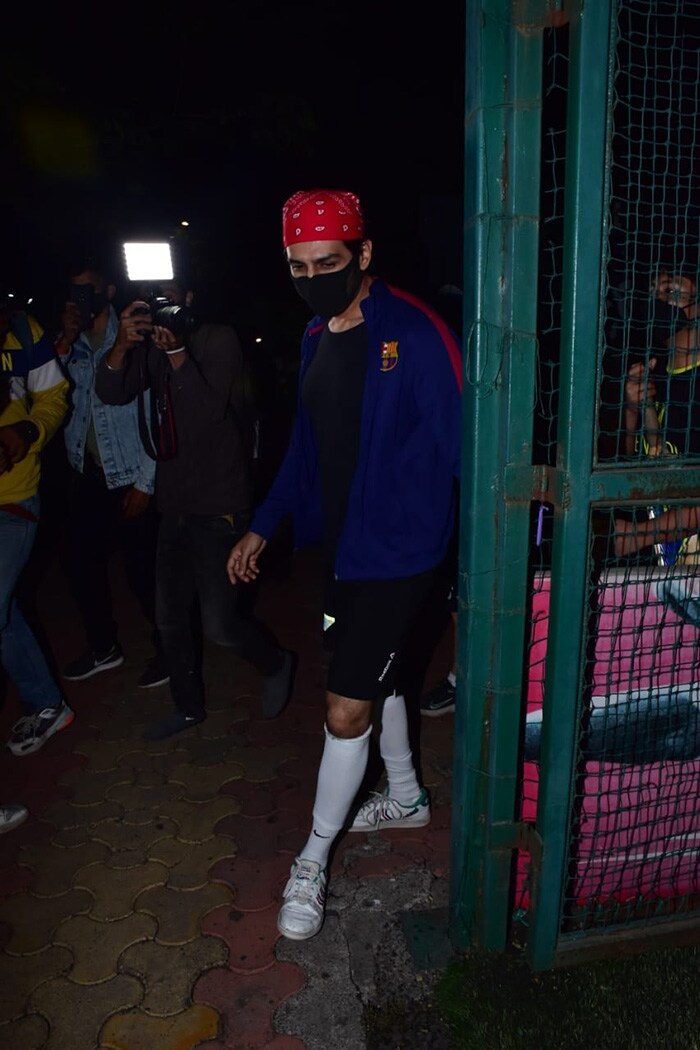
191	577
94	529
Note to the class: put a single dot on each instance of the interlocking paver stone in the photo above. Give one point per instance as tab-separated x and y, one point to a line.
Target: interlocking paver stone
138	1031
220	724
169	973
96	946
93	789
55	866
32	920
20	975
261	763
202	783
76	1012
136	798
120	836
114	891
196	820
255	839
29	1033
189	863
255	883
179	912
247	1002
65	815
106	754
250	936
15	879
160	763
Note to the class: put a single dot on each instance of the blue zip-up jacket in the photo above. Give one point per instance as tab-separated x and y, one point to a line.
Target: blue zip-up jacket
124	459
401	505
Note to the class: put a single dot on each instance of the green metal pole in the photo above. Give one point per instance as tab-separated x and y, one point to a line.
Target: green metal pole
584	226
502	151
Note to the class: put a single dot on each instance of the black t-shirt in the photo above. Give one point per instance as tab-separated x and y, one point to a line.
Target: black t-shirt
332	394
678	407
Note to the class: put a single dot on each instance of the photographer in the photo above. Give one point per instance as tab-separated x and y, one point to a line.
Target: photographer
109	484
188	380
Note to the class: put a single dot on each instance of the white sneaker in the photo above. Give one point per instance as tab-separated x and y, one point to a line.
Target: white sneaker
11	817
380	811
301	916
32	731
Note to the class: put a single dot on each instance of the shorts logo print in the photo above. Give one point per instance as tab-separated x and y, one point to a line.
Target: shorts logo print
387	665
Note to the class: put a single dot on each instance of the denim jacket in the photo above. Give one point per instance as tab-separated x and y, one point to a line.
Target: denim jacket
124	459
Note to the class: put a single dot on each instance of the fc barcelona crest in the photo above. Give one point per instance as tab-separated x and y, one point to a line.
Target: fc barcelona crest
390	356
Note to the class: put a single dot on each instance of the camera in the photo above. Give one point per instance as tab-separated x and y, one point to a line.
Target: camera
151	262
177	319
83	295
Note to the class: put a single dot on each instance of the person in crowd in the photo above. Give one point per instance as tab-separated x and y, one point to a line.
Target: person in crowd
110	482
33	404
370	473
440	700
186	376
662	413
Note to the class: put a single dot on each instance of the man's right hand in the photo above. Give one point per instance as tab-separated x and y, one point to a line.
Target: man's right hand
639	388
135	325
242	562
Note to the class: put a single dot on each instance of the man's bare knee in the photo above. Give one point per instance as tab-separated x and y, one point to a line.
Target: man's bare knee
347	718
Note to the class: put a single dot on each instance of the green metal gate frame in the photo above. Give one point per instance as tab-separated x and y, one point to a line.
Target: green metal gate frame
502	185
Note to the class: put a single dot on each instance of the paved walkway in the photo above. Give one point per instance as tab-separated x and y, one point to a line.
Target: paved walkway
138	904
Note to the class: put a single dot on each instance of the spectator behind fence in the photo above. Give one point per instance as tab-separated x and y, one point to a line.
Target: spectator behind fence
189	375
32	406
370	472
662	409
110	481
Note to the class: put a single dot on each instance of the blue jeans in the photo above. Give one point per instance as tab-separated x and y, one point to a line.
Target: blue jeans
20	654
191	571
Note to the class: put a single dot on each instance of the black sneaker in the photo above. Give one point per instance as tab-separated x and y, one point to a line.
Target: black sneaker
154	674
31	732
440	700
277	688
171	724
91	663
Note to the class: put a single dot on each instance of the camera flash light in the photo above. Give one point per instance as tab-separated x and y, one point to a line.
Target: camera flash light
148	261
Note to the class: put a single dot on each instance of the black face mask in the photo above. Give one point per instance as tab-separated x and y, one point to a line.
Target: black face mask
329	294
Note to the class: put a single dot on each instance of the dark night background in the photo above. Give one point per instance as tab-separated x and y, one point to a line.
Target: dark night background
119	122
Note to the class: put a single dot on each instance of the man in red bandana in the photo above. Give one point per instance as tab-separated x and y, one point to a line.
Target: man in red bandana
370	473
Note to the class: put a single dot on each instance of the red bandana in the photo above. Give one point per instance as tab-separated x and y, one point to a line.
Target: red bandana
322	215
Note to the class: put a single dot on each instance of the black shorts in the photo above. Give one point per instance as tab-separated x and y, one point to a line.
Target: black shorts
366	623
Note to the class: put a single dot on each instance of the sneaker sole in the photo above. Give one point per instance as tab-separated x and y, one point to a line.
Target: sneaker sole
436	712
61	723
106	666
153	685
420	820
292	935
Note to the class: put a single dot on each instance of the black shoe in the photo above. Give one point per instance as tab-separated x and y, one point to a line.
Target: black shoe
154	673
91	663
440	700
171	724
278	688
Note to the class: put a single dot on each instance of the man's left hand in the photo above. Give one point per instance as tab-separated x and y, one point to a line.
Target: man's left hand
163	339
135	503
14	445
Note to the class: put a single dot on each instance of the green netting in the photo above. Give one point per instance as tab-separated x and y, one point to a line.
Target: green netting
633	850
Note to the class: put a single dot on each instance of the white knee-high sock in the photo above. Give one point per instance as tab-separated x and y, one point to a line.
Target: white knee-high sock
340	774
396	751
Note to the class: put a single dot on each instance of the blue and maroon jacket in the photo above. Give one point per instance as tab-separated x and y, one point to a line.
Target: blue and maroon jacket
401	506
